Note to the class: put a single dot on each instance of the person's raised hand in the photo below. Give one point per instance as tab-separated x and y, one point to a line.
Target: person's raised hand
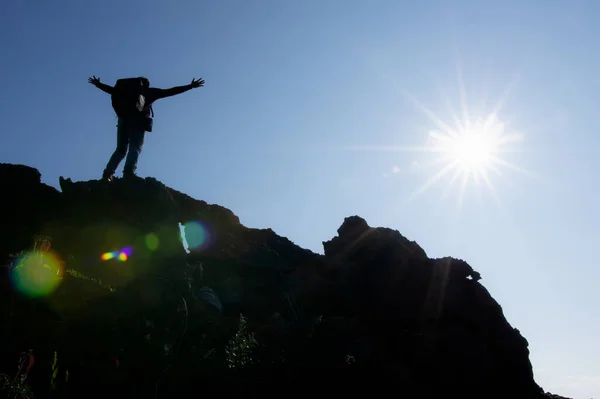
197	83
94	80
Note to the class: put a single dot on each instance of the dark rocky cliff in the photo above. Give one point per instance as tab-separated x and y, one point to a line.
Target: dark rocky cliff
124	308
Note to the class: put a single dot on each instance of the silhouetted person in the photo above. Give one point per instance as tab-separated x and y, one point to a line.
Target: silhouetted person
132	100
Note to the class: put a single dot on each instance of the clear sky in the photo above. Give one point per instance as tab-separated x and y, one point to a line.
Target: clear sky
309	113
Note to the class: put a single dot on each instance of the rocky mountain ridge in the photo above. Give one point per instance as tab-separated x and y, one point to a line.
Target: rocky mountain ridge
126	306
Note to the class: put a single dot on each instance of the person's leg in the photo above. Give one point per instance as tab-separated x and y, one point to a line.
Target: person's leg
136	143
120	152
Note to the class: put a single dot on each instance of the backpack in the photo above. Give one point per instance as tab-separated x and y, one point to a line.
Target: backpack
128	100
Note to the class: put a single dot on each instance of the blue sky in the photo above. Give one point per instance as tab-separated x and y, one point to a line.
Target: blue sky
290	86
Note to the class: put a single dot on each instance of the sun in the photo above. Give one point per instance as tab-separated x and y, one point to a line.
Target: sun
472	150
469	151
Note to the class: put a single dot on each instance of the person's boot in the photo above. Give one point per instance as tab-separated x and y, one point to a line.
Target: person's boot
107	177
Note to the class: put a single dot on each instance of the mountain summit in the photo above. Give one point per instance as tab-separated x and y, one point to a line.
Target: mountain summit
101	283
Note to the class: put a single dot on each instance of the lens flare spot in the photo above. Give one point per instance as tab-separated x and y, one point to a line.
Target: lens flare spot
36	274
197	235
127	251
121	255
152	241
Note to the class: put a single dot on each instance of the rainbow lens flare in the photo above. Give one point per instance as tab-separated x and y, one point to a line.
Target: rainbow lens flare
121	255
36	274
197	235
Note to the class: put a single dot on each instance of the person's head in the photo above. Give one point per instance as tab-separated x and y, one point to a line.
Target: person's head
145	81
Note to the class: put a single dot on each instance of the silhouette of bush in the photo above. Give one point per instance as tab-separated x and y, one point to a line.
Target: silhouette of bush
240	347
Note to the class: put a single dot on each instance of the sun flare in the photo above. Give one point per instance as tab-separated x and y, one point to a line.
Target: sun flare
466	152
471	149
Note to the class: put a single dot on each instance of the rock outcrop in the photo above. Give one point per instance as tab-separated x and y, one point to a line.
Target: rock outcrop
128	307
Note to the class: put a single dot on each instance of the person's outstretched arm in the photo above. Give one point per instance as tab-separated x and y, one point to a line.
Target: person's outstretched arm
162	93
96	82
